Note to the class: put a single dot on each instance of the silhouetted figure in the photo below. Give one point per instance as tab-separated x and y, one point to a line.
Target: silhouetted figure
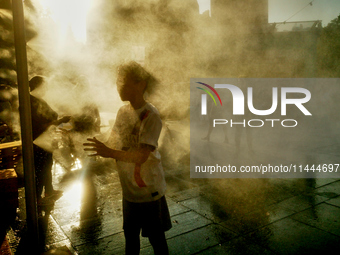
243	130
215	112
43	116
85	122
135	134
88	120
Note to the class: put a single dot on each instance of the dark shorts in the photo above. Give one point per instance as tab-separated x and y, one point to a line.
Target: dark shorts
151	217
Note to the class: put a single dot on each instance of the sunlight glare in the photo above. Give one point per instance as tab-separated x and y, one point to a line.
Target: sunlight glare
204	5
73	195
69	15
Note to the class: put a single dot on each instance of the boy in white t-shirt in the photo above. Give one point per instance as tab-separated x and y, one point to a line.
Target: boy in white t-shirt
135	135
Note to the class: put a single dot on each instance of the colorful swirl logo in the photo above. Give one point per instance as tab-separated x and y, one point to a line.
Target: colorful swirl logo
208	92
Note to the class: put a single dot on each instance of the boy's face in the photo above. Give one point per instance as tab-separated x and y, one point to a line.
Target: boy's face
127	88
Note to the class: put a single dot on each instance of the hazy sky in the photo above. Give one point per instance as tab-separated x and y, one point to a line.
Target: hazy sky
204	5
281	10
325	10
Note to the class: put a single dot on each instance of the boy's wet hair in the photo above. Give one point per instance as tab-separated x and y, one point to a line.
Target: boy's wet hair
137	73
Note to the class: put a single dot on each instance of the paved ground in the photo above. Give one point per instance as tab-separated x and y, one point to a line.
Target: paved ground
209	216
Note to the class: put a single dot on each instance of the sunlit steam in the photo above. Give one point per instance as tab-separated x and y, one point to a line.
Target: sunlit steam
73	196
69	15
81	43
77	164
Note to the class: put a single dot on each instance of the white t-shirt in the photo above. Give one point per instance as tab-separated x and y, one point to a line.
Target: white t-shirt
132	128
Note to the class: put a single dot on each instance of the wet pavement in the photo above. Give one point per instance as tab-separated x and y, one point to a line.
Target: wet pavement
209	216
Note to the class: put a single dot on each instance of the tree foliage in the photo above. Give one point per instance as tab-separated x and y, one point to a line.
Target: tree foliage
329	50
7	49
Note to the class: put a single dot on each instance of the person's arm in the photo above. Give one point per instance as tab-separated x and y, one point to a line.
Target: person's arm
138	156
57	122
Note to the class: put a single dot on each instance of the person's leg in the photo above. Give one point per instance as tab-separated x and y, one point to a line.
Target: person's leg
48	175
39	185
249	139
225	131
132	242
38	165
47	178
238	135
210	129
159	243
131	226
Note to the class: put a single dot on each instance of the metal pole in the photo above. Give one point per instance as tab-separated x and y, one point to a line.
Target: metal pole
26	124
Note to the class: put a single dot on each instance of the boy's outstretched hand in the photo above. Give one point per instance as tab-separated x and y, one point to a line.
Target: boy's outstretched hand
100	148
